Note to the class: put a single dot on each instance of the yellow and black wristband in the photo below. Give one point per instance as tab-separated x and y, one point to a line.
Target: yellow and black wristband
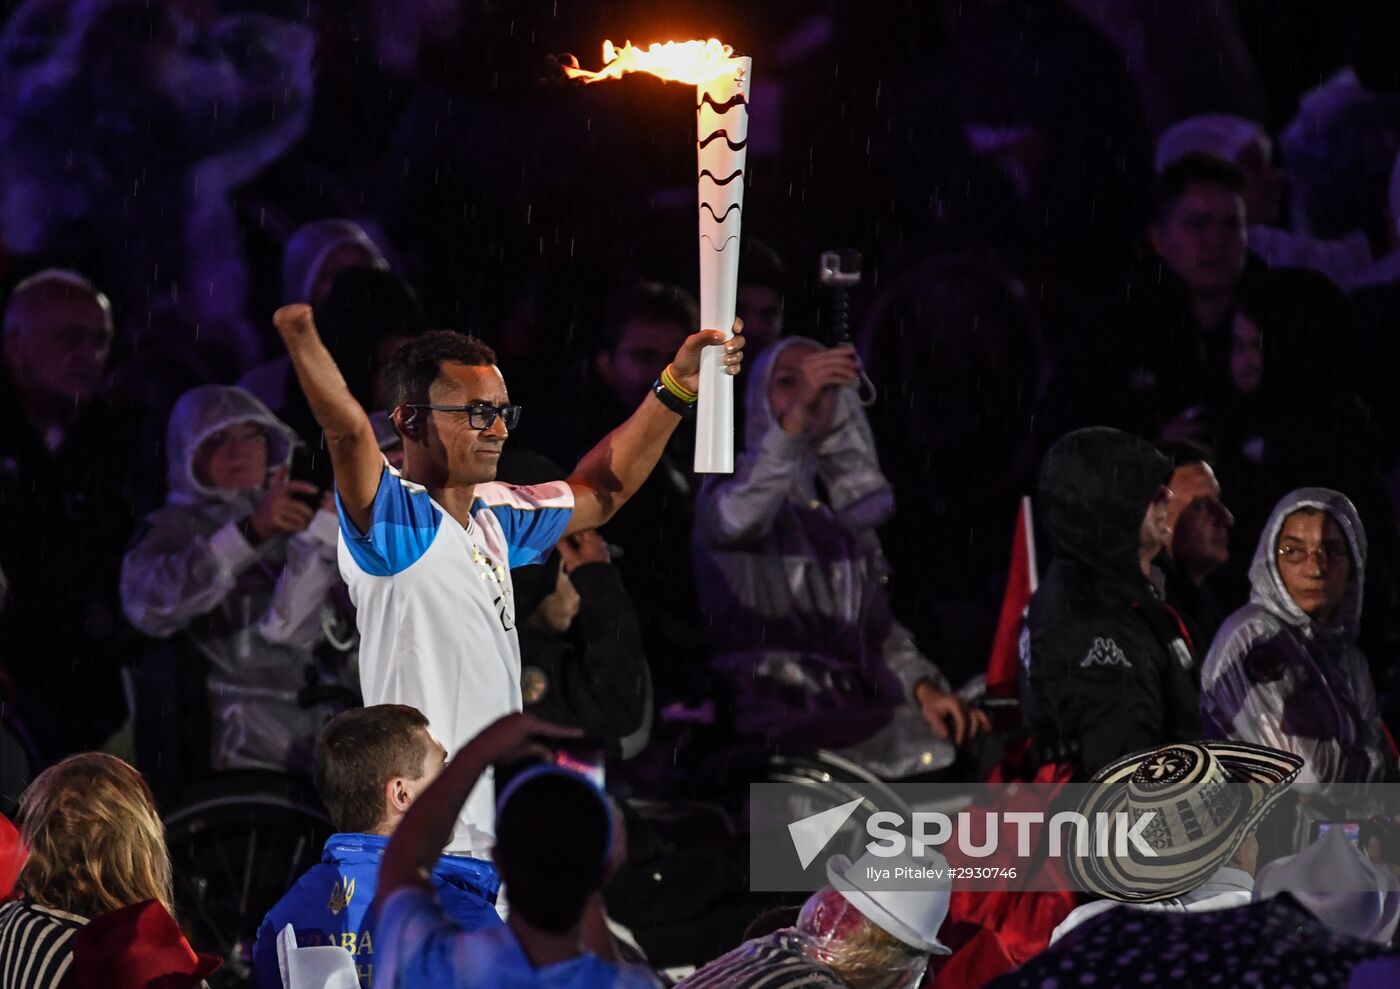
669	392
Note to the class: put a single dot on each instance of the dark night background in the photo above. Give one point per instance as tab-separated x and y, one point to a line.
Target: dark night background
991	159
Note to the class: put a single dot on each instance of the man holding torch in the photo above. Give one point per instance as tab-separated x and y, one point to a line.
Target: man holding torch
427	552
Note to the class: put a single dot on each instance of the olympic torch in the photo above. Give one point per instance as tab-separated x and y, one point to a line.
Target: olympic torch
721	137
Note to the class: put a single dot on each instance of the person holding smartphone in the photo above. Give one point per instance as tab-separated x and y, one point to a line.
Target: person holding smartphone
793	580
245	570
558	841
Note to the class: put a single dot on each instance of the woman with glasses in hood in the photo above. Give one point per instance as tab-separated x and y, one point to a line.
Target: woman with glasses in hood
241	562
1285	670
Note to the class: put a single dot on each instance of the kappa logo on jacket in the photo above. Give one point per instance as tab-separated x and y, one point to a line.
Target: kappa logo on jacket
1105	652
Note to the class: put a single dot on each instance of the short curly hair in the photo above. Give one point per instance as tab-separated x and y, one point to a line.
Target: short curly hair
417	364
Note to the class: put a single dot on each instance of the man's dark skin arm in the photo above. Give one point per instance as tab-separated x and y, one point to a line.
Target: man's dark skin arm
354	451
613	470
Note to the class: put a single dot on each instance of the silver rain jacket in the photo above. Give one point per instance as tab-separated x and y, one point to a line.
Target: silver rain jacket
1276	677
794	591
256	613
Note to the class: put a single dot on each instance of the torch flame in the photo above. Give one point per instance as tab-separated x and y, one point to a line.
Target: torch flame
693	62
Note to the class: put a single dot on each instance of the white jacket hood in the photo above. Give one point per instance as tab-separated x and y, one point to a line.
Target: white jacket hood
200	413
1268	590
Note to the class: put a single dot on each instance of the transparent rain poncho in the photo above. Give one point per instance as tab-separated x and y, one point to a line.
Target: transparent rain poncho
864	955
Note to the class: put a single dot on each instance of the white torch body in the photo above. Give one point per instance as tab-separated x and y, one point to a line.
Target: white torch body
722	134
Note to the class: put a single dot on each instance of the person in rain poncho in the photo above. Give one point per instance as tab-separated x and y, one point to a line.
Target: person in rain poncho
1285	670
247	571
854	933
792	579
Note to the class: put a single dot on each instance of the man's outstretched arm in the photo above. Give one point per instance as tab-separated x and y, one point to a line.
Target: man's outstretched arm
613	470
355	455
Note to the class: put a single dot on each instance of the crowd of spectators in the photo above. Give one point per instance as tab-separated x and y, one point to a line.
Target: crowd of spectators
1144	273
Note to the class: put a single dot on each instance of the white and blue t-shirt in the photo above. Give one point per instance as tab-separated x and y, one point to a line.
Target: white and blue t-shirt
436	611
416	945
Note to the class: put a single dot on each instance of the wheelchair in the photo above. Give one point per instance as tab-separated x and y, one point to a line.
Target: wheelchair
809	784
237	843
237	840
685	893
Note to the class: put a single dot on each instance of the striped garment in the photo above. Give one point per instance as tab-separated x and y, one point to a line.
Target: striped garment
773	962
35	945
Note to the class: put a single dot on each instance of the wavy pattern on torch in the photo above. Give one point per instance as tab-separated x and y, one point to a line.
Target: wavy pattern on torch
738	99
718	181
722	133
721	219
722	247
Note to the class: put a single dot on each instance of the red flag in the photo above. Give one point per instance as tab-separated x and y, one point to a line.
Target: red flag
995	931
1021	582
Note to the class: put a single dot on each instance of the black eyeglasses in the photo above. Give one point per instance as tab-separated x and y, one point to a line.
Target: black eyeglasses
480	415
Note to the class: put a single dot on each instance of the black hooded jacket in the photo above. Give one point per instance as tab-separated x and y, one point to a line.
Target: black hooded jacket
1108	670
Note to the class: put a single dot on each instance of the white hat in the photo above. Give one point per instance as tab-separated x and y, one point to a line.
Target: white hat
1339	885
912	915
